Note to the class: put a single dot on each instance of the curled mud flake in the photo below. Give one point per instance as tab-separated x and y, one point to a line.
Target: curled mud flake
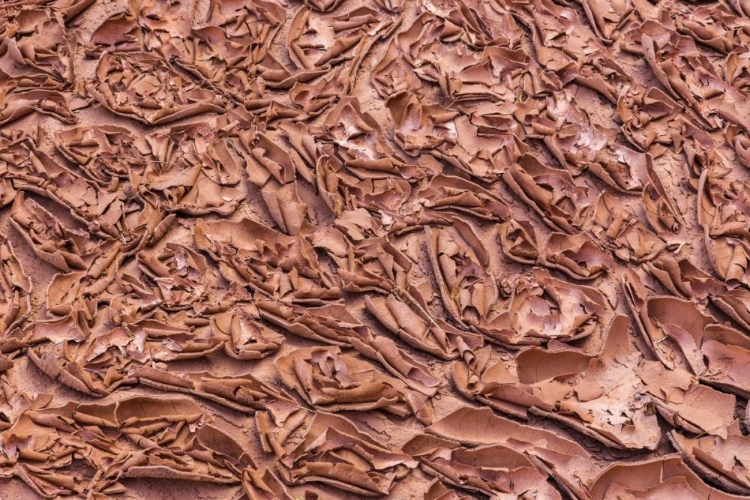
15	290
14	106
579	256
519	241
660	210
374	265
606	405
241	392
740	141
550	192
52	242
107	153
331	324
334	382
682	336
438	491
685	72
607	18
569	464
141	86
71	8
323	5
247	337
411	323
263	484
734	303
663	477
334	452
230	51
393	74
544	309
492	470
495	384
715	26
399	363
34	41
119	33
722	215
460	265
618	229
742	7
581	145
565	48
682	278
722	460
737	70
315	41
482	24
650	118
268	262
685	403
184	279
89	447
451	136
426	41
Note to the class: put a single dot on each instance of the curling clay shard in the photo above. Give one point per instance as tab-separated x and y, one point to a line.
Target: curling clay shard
544	308
334	452
721	201
52	242
152	97
650	118
448	135
740	141
565	47
15	106
663	477
494	384
136	437
460	265
107	153
450	193
723	460
684	402
618	229
241	392
492	470
599	395
607	18
686	73
578	256
35	44
438	491
682	336
737	71
15	290
519	241
580	145
550	192
571	466
267	261
683	278
247	337
372	265
335	382
660	210
715	26
393	74
408	320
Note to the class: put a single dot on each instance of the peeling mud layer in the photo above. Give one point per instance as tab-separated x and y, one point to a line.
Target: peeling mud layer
409	249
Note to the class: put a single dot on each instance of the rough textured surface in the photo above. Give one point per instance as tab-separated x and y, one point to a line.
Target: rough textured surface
416	249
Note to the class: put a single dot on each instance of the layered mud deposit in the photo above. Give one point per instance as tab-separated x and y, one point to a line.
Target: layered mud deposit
413	249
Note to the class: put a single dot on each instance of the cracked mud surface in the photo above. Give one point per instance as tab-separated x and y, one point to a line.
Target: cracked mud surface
414	249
